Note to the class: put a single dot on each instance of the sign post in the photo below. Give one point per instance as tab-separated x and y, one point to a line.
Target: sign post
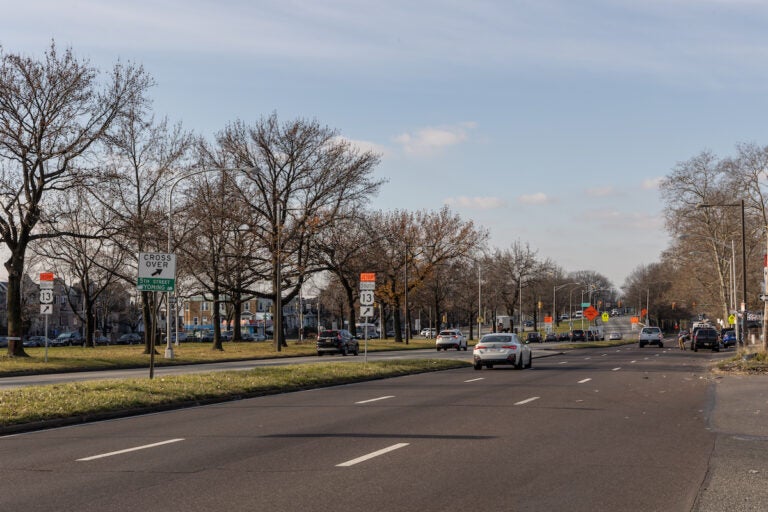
157	273
46	302
367	295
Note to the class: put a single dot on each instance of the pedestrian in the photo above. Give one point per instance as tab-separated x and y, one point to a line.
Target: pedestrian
681	337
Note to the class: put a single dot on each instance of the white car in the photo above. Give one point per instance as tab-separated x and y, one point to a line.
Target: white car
502	348
451	338
615	335
427	332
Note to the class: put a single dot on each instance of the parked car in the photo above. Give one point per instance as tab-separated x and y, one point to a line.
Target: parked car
70	338
3	341
551	336
226	335
501	348
528	323
564	336
337	341
428	332
533	337
178	336
706	337
451	338
36	341
578	335
650	336
615	335
729	338
131	338
101	340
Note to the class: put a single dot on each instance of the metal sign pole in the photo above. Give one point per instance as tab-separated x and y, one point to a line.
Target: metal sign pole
46	338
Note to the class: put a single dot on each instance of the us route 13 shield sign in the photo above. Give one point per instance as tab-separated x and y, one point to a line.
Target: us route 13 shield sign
157	272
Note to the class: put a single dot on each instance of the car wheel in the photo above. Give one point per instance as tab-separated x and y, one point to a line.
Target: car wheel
344	350
519	363
530	360
478	366
465	348
641	345
319	353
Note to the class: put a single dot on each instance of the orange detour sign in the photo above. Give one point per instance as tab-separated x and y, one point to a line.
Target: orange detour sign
590	313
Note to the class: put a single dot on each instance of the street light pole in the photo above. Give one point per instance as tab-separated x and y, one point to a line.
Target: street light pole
740	204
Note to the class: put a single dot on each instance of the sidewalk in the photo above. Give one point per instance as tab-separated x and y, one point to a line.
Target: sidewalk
738	472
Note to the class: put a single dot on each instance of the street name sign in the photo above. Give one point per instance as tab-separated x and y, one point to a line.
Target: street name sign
157	272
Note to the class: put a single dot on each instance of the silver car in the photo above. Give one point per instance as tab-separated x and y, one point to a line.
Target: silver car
502	348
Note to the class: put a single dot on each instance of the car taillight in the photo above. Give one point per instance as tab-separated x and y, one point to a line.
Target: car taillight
510	347
480	347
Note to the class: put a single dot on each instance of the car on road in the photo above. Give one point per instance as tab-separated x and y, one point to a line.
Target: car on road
129	338
729	338
533	337
578	335
564	336
705	337
337	341
178	336
451	338
650	336
501	348
551	336
614	335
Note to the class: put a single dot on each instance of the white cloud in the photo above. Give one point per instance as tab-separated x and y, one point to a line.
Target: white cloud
538	198
365	145
652	183
431	139
476	203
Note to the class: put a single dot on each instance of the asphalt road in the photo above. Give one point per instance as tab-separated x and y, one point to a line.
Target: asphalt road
615	429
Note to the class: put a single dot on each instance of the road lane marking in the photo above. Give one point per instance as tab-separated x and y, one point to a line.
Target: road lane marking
587	358
633	361
527	400
128	450
563	362
616	369
372	455
475	380
375	399
582	381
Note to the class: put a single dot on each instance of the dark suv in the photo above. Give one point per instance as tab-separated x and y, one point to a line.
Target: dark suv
578	335
337	341
705	338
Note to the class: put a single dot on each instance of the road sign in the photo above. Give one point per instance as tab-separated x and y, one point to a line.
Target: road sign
605	317
46	280
368	277
764	297
46	296
367	286
585	305
366	297
157	272
732	319
590	313
46	309
366	311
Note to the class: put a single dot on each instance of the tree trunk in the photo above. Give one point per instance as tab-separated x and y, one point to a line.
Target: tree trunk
15	268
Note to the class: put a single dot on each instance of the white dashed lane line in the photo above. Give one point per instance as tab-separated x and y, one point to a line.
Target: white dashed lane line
371	455
375	399
527	400
616	369
128	450
582	381
474	380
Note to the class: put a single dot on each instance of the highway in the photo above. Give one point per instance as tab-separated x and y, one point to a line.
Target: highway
616	429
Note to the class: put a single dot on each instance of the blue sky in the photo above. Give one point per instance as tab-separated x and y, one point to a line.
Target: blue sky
544	121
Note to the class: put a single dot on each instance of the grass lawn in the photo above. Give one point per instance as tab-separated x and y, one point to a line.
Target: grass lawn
61	404
70	359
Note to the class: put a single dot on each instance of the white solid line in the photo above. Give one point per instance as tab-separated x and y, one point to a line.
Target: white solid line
616	369
584	380
475	380
372	455
375	399
119	452
528	400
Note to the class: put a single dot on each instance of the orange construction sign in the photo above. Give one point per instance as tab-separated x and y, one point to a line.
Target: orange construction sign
590	313
368	277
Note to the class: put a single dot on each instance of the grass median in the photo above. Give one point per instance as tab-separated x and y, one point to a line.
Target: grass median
61	404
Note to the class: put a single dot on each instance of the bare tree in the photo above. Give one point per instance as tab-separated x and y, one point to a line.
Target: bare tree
52	112
299	179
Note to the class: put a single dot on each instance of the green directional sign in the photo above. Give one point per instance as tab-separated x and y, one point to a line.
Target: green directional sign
584	305
157	272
